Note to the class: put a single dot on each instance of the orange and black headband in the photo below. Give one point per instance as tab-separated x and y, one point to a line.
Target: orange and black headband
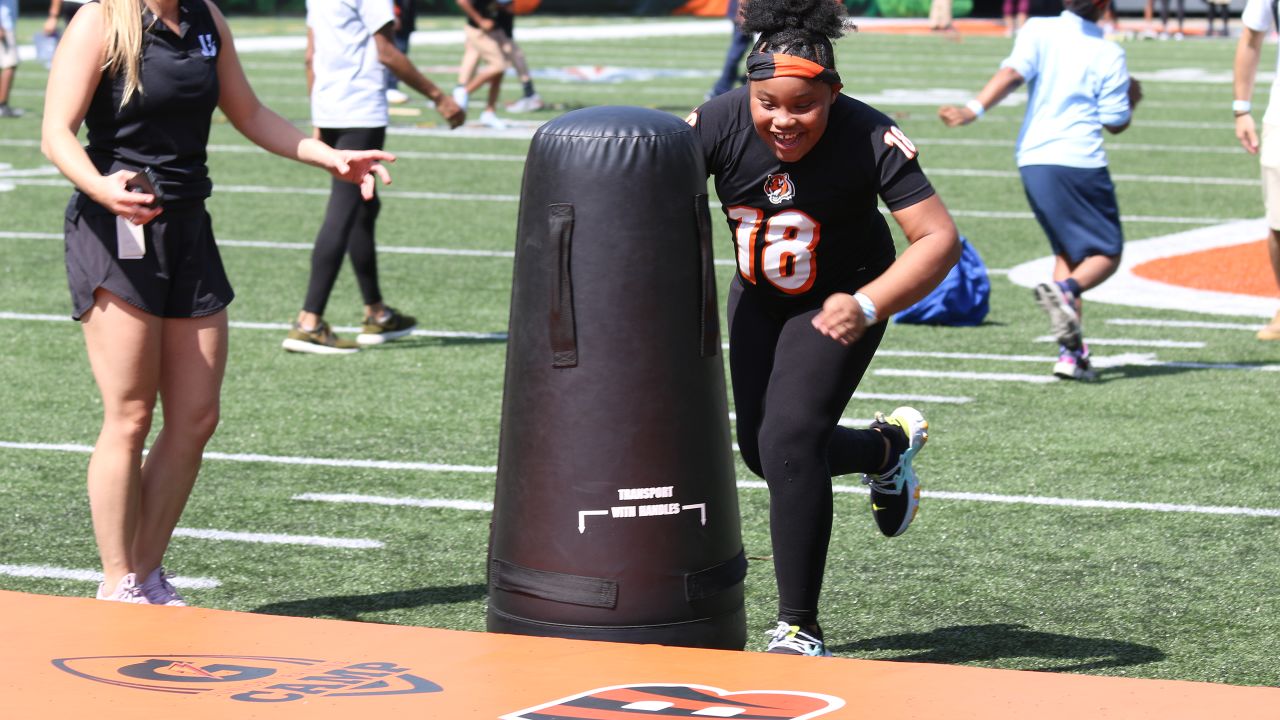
763	66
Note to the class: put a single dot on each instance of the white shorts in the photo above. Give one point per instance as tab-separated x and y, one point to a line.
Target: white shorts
1269	158
9	50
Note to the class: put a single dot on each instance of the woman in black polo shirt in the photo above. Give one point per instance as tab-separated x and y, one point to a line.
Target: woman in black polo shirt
146	280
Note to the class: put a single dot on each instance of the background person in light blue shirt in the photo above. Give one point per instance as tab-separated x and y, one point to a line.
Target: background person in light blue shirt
1078	84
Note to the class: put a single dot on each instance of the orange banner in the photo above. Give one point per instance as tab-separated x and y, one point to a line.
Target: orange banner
704	8
81	658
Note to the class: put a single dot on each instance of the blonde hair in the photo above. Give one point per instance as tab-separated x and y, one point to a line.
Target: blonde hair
121	20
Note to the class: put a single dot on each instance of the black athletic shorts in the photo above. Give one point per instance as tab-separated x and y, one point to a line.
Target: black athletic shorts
180	275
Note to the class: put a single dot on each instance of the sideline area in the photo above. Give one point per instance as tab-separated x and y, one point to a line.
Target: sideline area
77	657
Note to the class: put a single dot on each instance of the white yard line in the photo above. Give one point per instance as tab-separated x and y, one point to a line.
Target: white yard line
1042	379
476	505
278	539
501	198
59	573
1132	342
244	325
1191	324
1120	360
470	505
44	173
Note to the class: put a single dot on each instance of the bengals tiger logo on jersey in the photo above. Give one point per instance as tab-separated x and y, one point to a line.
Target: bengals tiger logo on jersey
779	188
676	700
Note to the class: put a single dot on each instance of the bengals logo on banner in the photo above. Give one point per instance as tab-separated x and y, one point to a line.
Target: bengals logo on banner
779	188
248	678
636	702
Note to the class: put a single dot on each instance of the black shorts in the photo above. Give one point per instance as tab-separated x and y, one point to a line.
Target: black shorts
179	276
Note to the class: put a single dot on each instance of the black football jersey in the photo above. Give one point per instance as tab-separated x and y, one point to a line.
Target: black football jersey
809	228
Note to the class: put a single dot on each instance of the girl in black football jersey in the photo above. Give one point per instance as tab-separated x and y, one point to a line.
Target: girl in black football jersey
799	169
146	280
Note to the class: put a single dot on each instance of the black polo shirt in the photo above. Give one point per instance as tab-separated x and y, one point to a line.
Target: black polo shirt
811	227
166	126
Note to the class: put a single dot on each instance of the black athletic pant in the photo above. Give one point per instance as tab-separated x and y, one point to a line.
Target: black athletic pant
790	386
348	228
1164	13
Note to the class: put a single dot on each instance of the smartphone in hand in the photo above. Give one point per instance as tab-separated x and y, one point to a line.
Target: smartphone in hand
144	181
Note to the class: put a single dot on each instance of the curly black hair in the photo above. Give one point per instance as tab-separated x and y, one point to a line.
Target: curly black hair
803	28
1088	9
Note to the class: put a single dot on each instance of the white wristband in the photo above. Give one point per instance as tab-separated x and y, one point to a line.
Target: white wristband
1241	106
868	307
976	108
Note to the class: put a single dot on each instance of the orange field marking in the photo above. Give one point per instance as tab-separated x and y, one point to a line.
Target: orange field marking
82	658
1243	269
963	26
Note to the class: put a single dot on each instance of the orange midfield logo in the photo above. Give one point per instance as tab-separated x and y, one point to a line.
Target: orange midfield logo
681	701
249	678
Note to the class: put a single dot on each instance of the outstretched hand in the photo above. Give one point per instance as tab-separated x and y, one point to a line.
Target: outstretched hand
360	166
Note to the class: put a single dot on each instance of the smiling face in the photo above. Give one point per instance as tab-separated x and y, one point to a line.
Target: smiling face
790	114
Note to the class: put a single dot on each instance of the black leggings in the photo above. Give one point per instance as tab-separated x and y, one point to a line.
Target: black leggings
790	386
1164	12
348	228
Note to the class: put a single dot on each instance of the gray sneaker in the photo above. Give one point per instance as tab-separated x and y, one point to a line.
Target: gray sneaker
1064	321
158	590
10	112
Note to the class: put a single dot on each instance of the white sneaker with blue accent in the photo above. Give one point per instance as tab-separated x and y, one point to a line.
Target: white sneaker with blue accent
895	493
791	640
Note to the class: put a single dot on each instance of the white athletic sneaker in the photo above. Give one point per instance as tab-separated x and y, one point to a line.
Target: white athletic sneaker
526	104
396	97
490	119
791	640
1074	364
126	590
460	96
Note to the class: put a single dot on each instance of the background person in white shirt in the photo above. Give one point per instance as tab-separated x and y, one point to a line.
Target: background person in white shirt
1259	19
8	55
1078	84
349	43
